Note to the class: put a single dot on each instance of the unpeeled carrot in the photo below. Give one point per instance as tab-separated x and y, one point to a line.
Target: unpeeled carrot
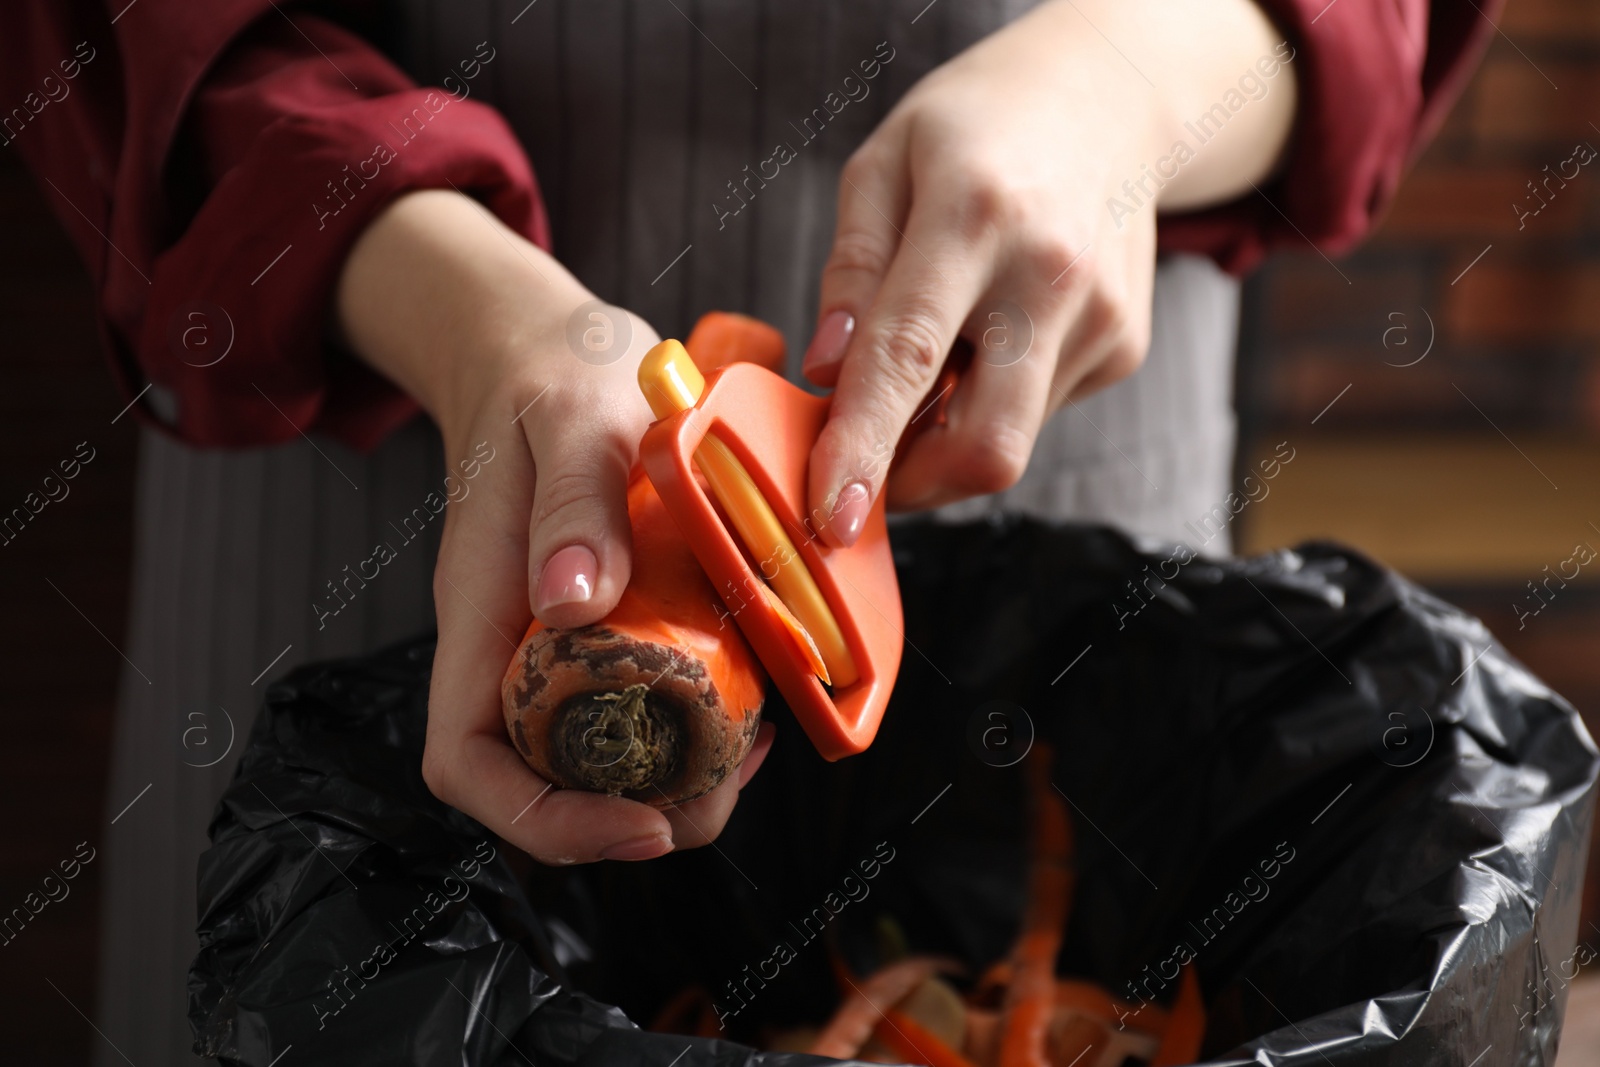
660	701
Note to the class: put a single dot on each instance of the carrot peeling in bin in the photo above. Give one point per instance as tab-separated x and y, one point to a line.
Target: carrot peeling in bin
1030	999
1018	1013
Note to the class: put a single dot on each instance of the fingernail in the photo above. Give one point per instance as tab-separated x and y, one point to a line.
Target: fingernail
639	848
568	578
849	514
831	339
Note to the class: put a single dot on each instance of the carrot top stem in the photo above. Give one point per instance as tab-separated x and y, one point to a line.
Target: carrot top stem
612	742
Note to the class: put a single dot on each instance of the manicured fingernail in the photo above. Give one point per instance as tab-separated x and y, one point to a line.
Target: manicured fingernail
849	514
832	338
568	578
639	848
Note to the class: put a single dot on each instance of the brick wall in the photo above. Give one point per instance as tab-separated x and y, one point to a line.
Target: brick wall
1518	332
1515	320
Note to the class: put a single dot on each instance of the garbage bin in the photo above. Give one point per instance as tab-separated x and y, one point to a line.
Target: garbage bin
1421	801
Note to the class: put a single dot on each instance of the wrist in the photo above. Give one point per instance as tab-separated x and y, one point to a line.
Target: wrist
1206	93
1128	102
508	327
1228	103
446	301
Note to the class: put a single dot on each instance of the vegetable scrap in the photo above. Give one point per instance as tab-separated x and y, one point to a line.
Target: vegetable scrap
1018	1013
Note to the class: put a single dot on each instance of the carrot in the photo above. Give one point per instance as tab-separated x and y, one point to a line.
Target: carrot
908	1039
1186	1024
937	1008
1076	1038
721	338
852	1024
990	989
1030	999
1122	1045
1086	998
659	701
982	1042
689	1011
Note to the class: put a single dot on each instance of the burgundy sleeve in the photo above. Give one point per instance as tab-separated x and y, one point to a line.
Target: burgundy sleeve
252	151
1375	78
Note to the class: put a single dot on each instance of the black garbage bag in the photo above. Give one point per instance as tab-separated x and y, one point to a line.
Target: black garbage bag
1362	821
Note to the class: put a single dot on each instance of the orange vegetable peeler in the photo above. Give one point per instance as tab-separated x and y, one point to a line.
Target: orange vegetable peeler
826	623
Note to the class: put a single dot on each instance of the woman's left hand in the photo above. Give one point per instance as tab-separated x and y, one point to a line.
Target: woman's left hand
980	209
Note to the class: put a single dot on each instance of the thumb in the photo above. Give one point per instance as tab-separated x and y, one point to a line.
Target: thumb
579	557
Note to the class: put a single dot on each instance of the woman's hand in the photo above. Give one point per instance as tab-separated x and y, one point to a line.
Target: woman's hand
472	320
982	209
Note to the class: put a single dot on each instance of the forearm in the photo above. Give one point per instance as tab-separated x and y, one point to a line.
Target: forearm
1187	59
443	299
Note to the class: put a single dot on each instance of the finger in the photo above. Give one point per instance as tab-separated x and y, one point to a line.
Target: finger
995	413
1094	354
874	192
579	556
555	826
937	275
701	820
1111	338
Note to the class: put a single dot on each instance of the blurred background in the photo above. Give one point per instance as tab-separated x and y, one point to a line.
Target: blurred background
1440	388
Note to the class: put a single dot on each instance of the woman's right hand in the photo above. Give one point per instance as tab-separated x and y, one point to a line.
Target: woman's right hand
515	360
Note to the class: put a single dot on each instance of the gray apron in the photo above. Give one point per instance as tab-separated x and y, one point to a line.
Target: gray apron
637	116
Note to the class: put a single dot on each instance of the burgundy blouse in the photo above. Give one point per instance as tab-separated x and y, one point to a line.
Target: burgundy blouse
188	148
